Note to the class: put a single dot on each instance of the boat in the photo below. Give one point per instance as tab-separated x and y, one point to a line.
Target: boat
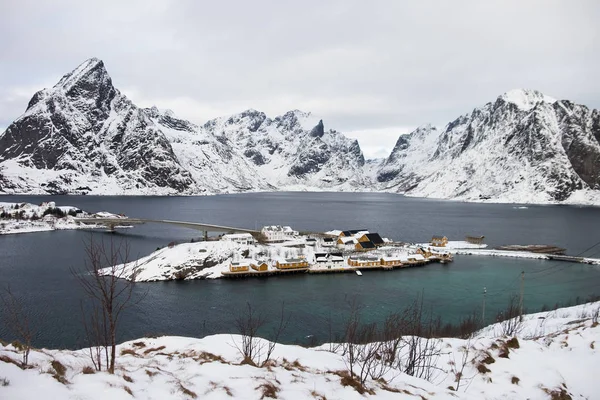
358	273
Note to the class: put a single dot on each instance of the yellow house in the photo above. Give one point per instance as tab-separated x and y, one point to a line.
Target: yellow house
291	263
391	261
439	241
239	267
259	266
364	262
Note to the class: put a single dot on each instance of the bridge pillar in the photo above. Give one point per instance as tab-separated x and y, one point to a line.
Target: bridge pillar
205	236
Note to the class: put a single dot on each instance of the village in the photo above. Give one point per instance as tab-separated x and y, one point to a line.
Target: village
331	252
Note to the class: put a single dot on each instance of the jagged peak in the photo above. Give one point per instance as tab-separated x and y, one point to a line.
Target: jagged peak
526	99
81	72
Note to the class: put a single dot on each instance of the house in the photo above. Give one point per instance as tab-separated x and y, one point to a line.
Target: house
364	246
329	260
259	266
289	232
291	263
310	242
353	232
274	233
364	262
415	258
328	242
242	266
474	239
392	261
239	238
346	243
373	238
439	241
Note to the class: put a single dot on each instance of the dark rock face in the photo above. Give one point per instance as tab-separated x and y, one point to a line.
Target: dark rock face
318	131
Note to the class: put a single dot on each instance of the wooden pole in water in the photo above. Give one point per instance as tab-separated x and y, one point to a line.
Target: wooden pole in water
483	308
521	296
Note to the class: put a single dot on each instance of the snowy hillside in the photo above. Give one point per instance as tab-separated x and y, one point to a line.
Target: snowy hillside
83	136
554	355
524	147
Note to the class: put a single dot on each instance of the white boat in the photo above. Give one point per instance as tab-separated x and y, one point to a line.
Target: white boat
358	273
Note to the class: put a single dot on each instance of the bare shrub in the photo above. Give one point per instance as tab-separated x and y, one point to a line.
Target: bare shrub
515	380
510	321
253	349
17	320
109	293
187	391
4	382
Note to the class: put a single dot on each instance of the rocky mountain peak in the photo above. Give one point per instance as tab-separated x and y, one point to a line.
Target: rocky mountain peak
525	99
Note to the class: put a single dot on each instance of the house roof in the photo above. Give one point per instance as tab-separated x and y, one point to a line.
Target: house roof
366	245
438	237
346	240
374	238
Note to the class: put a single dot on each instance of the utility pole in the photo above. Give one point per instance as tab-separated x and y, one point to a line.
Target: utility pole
483	308
521	296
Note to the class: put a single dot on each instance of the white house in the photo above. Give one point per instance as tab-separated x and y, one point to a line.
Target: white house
278	233
346	243
239	238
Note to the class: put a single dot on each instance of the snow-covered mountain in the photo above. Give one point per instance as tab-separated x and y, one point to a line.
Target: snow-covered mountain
84	136
524	147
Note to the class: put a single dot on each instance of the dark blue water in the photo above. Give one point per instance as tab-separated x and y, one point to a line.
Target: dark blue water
37	265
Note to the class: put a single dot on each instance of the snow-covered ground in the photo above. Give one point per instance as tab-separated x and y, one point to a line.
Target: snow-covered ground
202	260
555	356
27	217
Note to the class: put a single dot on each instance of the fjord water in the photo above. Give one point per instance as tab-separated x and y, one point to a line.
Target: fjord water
37	265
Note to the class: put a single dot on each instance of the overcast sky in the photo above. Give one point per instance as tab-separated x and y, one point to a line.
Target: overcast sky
373	70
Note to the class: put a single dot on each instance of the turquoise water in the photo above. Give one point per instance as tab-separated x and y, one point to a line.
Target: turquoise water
37	265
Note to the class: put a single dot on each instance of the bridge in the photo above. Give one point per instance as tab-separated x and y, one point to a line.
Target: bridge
113	223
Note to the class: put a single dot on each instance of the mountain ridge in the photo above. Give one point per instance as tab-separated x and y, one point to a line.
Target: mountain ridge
82	136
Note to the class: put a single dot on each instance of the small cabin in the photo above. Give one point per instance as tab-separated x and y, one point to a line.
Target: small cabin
259	266
346	243
239	238
439	241
328	242
415	258
291	263
239	267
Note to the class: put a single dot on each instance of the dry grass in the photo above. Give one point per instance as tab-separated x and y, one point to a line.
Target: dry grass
515	380
269	390
488	359
205	357
128	352
148	351
4	382
9	360
187	391
214	386
139	344
59	371
150	373
127	378
317	395
558	394
128	390
513	343
87	370
482	368
592	345
291	366
347	380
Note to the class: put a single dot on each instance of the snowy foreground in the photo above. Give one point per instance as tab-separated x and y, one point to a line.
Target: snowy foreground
556	356
27	217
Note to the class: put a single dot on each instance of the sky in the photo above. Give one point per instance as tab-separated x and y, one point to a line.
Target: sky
372	70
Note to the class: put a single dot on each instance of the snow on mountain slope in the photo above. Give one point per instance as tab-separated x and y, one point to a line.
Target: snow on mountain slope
84	136
525	147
